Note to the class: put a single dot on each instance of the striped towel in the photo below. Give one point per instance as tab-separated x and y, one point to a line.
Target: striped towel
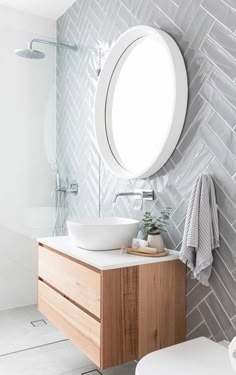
201	232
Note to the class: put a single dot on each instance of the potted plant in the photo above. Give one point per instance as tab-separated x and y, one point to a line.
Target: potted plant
153	226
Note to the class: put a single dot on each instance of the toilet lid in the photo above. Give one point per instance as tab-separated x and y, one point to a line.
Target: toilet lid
199	356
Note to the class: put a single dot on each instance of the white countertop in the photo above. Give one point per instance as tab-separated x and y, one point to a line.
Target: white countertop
103	260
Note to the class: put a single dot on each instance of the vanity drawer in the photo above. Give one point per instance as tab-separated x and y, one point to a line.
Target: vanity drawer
77	282
79	327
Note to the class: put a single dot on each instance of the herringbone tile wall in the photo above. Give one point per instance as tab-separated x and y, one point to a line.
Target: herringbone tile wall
205	30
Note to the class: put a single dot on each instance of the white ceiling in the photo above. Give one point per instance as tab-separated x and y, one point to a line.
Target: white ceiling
45	8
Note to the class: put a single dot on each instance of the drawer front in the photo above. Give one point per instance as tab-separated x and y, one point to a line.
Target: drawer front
79	283
79	327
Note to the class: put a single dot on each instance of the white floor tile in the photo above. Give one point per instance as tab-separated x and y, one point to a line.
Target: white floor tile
17	332
38	350
55	359
127	369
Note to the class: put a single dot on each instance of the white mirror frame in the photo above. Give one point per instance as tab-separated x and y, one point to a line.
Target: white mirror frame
181	98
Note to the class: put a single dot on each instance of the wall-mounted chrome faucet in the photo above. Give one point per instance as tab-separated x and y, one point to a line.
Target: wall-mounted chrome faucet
147	195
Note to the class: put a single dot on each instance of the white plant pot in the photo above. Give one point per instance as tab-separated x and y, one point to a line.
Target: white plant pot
156	241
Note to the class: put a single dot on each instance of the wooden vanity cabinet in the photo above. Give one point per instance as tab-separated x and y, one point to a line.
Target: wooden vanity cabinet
116	315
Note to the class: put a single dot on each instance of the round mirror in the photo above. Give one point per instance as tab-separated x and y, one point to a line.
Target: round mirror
141	102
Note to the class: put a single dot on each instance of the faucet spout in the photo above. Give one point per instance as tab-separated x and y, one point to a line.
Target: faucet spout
128	194
138	194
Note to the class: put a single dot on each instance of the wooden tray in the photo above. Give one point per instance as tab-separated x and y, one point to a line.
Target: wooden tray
163	254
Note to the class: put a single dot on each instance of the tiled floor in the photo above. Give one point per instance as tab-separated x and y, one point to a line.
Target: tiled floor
42	350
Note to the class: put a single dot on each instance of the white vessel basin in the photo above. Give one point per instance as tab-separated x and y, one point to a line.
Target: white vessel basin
102	233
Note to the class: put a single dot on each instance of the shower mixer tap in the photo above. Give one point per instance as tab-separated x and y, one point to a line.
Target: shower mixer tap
71	189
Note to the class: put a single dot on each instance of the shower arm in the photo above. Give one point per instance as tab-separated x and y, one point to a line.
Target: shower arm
56	44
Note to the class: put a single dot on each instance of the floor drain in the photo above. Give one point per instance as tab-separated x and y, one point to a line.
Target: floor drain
38	323
93	372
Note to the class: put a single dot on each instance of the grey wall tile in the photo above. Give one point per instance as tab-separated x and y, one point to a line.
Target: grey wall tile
227	136
201	331
224	85
176	157
221	316
167	7
227	255
189	158
192	112
181	226
219	57
234	321
199	121
191	283
160	19
221	293
211	322
225	39
204	30
227	280
174	232
221	11
219	149
198	167
193	320
227	232
200	78
168	240
180	211
219	103
186	12
199	38
234	273
223	179
193	30
225	204
196	295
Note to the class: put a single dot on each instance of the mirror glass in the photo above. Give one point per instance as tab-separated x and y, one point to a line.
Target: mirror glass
141	102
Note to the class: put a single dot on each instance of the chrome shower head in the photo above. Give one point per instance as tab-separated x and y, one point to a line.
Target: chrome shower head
30	54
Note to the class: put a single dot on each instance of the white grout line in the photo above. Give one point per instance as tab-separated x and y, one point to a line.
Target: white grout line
228	5
174	3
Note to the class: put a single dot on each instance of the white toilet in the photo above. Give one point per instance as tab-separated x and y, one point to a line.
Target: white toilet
200	356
